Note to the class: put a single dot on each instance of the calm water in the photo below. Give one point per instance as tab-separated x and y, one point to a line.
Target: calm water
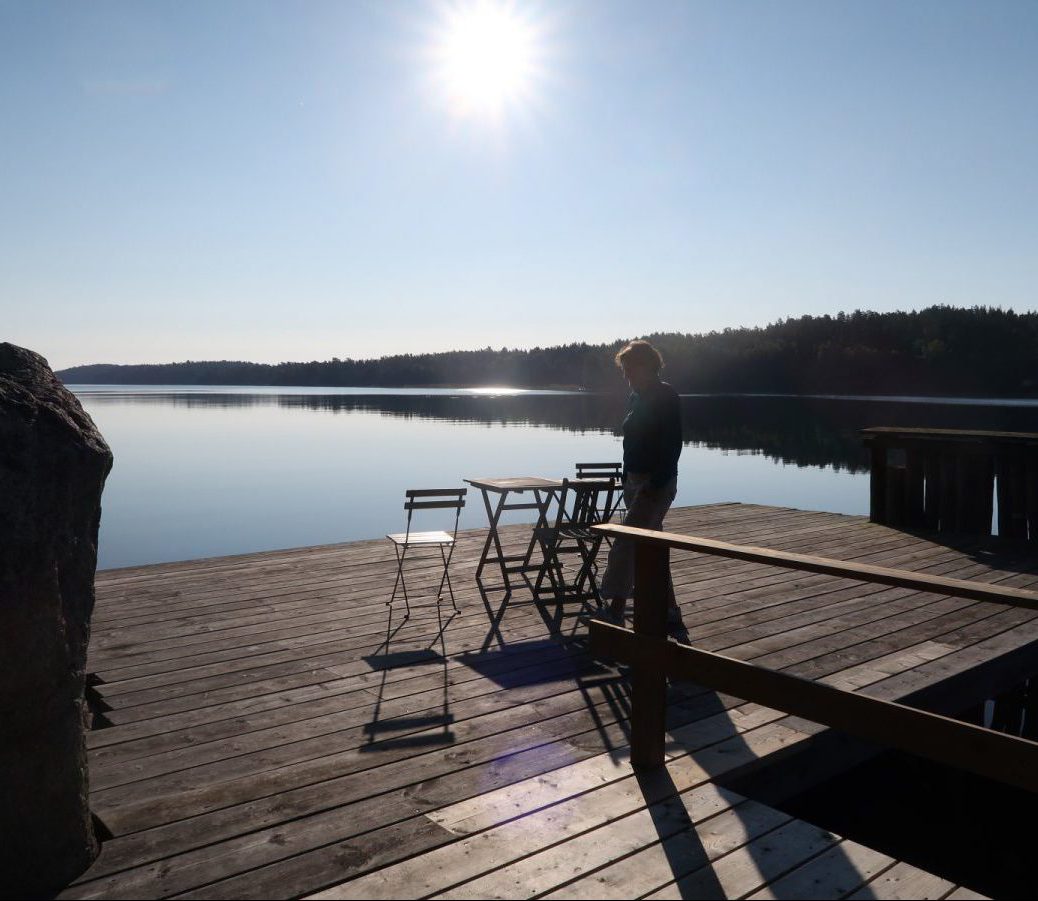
206	471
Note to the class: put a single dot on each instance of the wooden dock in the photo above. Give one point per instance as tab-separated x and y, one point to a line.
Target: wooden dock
264	730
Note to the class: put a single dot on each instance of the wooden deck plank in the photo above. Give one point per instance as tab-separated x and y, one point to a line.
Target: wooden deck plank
752	866
656	863
339	752
544	822
165	678
336	809
104	735
832	874
317	618
347	727
904	881
381	557
239	746
269	846
965	894
710	821
205	625
193	580
241	759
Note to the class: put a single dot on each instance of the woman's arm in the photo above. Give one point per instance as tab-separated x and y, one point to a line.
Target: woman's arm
668	437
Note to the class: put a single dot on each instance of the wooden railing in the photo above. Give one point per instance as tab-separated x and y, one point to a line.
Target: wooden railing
653	659
948	480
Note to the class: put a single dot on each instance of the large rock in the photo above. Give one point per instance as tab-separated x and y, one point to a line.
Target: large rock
53	465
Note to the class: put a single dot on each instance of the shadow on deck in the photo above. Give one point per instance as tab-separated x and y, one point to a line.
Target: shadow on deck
274	733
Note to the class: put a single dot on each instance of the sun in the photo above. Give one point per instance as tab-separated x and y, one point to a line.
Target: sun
486	58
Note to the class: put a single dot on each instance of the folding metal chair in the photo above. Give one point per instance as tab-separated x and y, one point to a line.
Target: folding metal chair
612	503
579	504
428	499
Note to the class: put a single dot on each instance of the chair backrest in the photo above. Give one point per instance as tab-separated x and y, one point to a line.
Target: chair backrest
434	499
582	501
612	502
600	471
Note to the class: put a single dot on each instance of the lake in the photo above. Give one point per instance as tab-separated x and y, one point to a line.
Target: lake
203	471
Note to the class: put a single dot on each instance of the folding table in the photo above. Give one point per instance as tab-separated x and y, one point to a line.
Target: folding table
544	492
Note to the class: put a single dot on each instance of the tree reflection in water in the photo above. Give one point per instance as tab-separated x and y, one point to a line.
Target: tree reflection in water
802	431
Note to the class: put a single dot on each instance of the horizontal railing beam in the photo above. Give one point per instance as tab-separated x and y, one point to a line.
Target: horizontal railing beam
895	437
994	755
859	572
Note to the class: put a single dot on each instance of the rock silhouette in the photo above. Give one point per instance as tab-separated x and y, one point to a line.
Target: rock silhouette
53	466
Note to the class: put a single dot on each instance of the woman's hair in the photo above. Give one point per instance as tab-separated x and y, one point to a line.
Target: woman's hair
640	353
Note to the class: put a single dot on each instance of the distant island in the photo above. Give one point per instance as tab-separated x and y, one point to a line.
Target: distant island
941	350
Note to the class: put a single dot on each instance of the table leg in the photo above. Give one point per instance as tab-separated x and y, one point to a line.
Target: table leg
494	539
587	572
550	565
543	505
492	518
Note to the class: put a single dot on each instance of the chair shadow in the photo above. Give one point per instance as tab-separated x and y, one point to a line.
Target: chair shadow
495	615
526	662
563	653
560	617
414	730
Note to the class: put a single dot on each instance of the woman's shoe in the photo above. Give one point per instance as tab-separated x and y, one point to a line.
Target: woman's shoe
676	628
605	615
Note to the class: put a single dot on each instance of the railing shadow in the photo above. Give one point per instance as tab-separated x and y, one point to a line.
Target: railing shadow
701	726
754	837
679	840
707	742
783	861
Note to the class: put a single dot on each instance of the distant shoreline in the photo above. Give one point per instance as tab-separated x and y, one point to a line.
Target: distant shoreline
942	351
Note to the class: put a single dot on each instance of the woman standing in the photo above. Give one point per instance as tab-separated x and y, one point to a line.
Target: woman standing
652	445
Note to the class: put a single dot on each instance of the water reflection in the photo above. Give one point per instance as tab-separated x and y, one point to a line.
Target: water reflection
814	431
207	472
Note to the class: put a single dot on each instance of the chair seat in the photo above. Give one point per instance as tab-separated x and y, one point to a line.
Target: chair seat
550	533
577	532
421	538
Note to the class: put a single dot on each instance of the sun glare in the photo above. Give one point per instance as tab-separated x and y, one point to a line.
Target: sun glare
486	58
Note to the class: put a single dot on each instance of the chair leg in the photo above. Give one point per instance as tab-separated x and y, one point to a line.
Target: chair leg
581	576
552	568
446	577
399	570
589	568
555	573
450	589
400	581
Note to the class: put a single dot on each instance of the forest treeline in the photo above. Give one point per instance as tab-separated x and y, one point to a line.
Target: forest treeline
940	350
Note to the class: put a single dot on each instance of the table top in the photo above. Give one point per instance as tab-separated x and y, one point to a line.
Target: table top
529	483
515	483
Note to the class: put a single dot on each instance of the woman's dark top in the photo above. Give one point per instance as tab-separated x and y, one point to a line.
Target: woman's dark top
652	434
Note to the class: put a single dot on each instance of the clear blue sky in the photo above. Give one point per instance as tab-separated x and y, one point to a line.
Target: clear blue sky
275	181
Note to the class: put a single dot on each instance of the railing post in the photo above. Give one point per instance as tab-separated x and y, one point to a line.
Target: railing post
878	483
1031	492
915	473
649	683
